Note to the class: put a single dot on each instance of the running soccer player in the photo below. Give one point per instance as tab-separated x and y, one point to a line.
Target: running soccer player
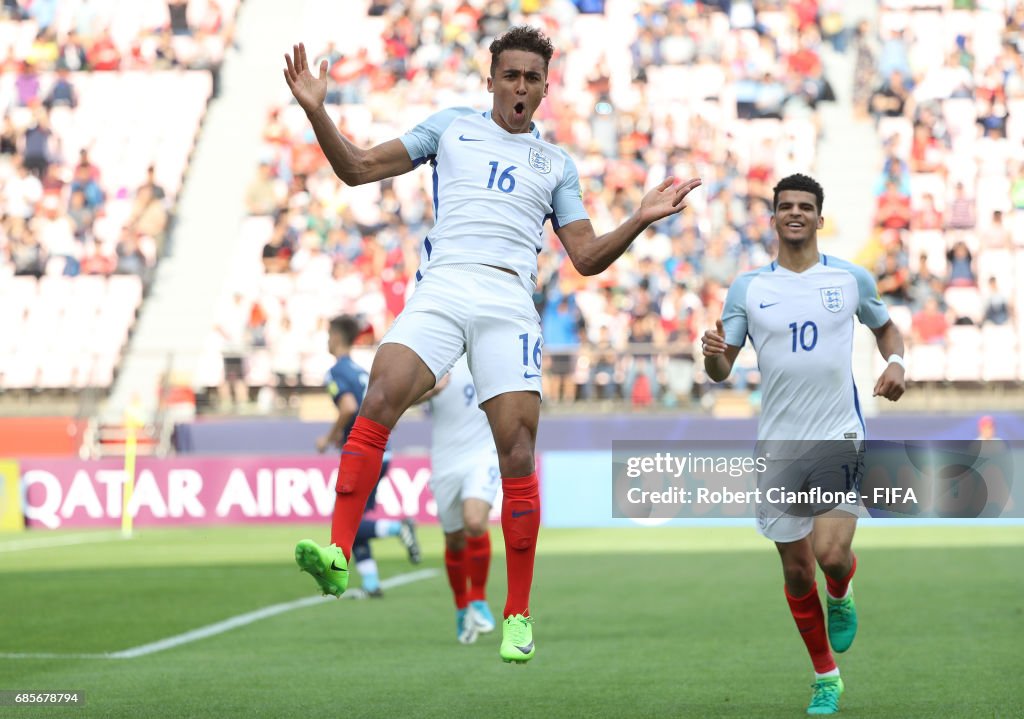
798	312
496	183
346	383
464	478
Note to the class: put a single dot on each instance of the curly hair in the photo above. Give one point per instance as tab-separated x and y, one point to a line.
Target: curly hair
801	183
522	37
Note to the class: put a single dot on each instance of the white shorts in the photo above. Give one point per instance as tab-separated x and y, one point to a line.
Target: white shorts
482	312
474	478
837	467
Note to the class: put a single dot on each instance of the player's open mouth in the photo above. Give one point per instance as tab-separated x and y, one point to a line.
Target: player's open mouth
518	110
794	225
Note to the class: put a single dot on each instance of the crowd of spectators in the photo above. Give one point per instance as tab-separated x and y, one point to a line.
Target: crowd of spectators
88	183
59	212
681	88
948	100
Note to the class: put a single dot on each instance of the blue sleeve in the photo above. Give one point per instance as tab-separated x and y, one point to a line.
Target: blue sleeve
341	383
734	313
871	311
567	199
332	385
421	141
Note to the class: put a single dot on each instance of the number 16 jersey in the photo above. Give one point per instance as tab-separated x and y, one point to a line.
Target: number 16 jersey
493	191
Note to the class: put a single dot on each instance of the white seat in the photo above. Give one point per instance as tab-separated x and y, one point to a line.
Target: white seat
1000	360
902	317
926	363
963	353
965	302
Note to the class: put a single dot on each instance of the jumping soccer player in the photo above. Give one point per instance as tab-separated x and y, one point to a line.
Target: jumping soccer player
798	312
496	183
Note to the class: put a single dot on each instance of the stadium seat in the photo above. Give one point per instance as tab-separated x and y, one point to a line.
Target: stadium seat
998	263
315	367
55	371
125	291
21	371
258	372
963	356
926	363
902	317
102	373
1000	356
965	302
927	183
931	243
898	128
960	116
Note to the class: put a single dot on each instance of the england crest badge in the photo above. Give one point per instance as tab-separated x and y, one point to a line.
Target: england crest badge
539	161
832	298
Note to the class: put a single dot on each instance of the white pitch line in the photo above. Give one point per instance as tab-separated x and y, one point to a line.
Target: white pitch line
220	627
45	542
18	655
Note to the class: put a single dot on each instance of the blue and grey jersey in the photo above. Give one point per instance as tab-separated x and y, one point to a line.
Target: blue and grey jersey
801	326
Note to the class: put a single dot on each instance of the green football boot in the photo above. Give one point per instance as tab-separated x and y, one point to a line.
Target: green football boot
327	565
517	639
842	622
825	699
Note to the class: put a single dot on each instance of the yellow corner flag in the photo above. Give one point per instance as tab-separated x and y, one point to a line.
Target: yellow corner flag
132	423
12	518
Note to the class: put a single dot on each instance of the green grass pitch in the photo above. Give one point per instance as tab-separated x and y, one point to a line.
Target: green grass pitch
659	622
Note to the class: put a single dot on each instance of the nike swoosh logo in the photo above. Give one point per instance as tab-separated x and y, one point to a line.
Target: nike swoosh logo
517	515
469	139
527	649
808	629
766	306
336	568
527	375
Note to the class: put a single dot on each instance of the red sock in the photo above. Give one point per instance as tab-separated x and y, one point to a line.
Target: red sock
478	562
810	620
520	523
837	587
358	472
455	563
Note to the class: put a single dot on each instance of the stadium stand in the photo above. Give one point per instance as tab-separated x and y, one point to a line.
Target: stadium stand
957	139
638	91
89	187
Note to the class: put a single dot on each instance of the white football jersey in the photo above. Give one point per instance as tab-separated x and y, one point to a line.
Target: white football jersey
493	191
460	430
801	325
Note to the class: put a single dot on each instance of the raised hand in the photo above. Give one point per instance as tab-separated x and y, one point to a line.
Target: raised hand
666	199
308	90
713	341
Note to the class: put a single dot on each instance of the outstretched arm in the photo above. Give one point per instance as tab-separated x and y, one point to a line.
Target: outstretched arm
591	255
352	164
892	383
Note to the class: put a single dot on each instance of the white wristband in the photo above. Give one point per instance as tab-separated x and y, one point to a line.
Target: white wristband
896	359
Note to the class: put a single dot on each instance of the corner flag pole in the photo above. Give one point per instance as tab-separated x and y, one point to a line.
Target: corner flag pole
131	423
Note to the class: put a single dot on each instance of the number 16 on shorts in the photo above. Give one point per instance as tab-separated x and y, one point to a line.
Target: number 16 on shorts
531	358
